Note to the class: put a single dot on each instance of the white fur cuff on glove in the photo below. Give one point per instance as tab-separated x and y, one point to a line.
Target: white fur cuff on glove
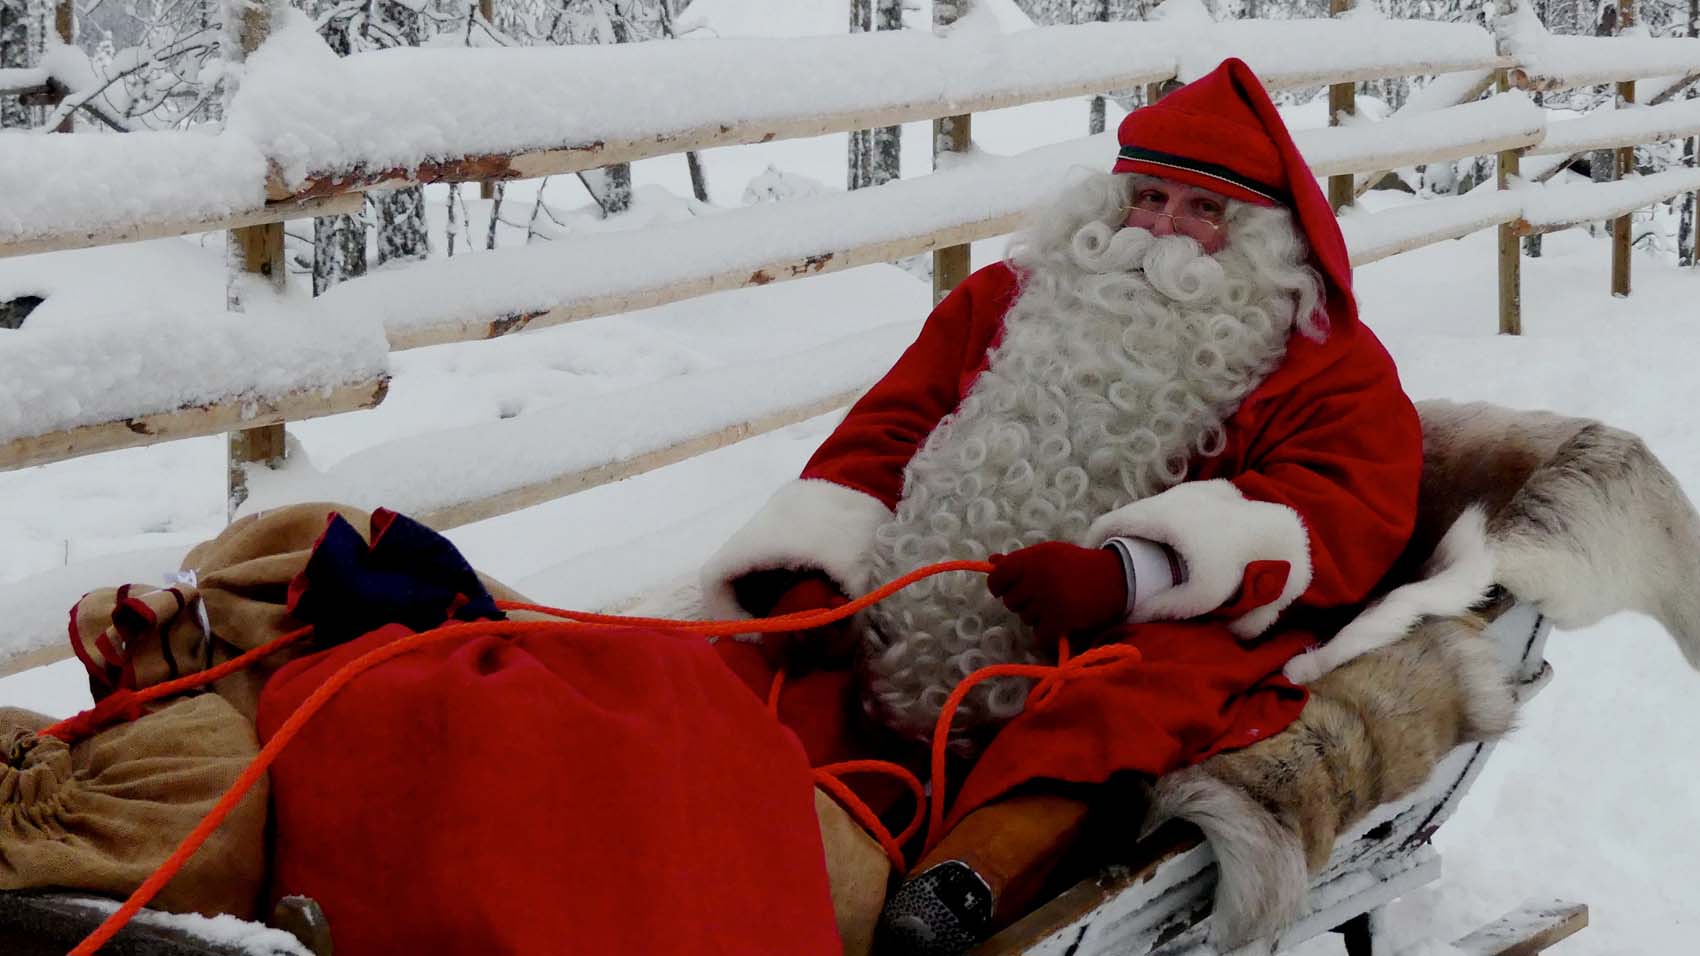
1218	532
808	524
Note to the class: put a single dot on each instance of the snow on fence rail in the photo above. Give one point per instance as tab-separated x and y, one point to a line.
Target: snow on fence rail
140	379
1548	62
1631	126
15	81
379	120
269	152
508	290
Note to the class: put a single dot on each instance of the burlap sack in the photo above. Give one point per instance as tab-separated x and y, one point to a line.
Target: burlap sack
234	600
140	635
100	816
858	871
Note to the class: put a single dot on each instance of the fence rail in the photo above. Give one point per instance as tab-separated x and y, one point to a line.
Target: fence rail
967	199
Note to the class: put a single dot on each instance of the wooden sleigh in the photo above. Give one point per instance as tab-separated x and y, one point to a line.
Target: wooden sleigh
1158	902
1154	903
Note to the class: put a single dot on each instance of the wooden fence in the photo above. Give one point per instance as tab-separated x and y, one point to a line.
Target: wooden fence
941	213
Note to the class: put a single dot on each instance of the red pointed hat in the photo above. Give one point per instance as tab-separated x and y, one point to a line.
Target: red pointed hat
1221	132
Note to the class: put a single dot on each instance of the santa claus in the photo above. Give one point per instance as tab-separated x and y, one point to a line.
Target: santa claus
1160	419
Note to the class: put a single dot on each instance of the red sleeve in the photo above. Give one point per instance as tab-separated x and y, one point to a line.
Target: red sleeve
1312	506
825	521
870	448
1344	451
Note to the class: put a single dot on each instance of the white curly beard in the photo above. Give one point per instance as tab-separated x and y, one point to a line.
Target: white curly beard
1119	362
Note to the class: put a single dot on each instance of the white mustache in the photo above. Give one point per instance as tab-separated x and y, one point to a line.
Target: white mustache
1175	267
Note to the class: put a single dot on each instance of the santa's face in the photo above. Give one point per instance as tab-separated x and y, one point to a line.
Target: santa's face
1165	207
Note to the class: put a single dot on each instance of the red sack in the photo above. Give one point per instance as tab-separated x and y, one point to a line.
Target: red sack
599	791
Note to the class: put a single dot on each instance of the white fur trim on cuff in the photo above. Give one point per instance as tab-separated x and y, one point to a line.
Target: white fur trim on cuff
808	524
1217	531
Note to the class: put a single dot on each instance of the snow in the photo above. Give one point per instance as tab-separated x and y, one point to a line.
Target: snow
1290	53
307	111
238	935
1585	60
310	111
22	78
1634	124
1371	236
1447	89
91	182
144	361
1588	800
1456	130
1562	203
435	471
459	298
779	18
470	291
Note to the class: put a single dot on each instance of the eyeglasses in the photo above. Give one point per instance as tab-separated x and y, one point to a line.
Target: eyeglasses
1202	230
1201	219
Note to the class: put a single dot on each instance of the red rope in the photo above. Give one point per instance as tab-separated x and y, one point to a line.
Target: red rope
828	777
1050	677
123	705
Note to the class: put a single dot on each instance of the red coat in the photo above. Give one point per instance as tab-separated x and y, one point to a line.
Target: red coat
1297	519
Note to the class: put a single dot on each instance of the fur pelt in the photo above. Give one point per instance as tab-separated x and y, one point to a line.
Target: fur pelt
1583	521
1371	733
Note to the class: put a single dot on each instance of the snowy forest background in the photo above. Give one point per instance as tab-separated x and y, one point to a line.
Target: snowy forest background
160	64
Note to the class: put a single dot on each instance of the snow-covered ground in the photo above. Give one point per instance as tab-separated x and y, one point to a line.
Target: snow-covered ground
1592	798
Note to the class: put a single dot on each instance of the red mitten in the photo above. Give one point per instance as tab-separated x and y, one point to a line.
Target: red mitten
804	650
1060	588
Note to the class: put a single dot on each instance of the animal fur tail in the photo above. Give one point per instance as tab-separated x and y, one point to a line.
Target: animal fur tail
1601	527
1456	578
1261	876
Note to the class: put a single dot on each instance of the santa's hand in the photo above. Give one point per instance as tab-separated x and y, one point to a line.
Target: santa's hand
805	650
1059	588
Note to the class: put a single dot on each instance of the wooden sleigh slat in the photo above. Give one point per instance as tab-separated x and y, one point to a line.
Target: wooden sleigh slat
1527	930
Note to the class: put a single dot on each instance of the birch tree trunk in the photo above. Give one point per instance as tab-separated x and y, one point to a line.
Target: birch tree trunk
1543	12
693	162
402	232
1686	239
15	50
339	250
887	151
1095	116
611	186
339	242
861	158
1602	163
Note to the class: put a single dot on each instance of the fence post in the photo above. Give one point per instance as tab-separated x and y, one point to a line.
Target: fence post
252	252
951	134
1623	227
1342	100
1510	259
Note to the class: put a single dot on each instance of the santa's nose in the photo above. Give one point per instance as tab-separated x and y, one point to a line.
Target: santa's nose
1164	225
